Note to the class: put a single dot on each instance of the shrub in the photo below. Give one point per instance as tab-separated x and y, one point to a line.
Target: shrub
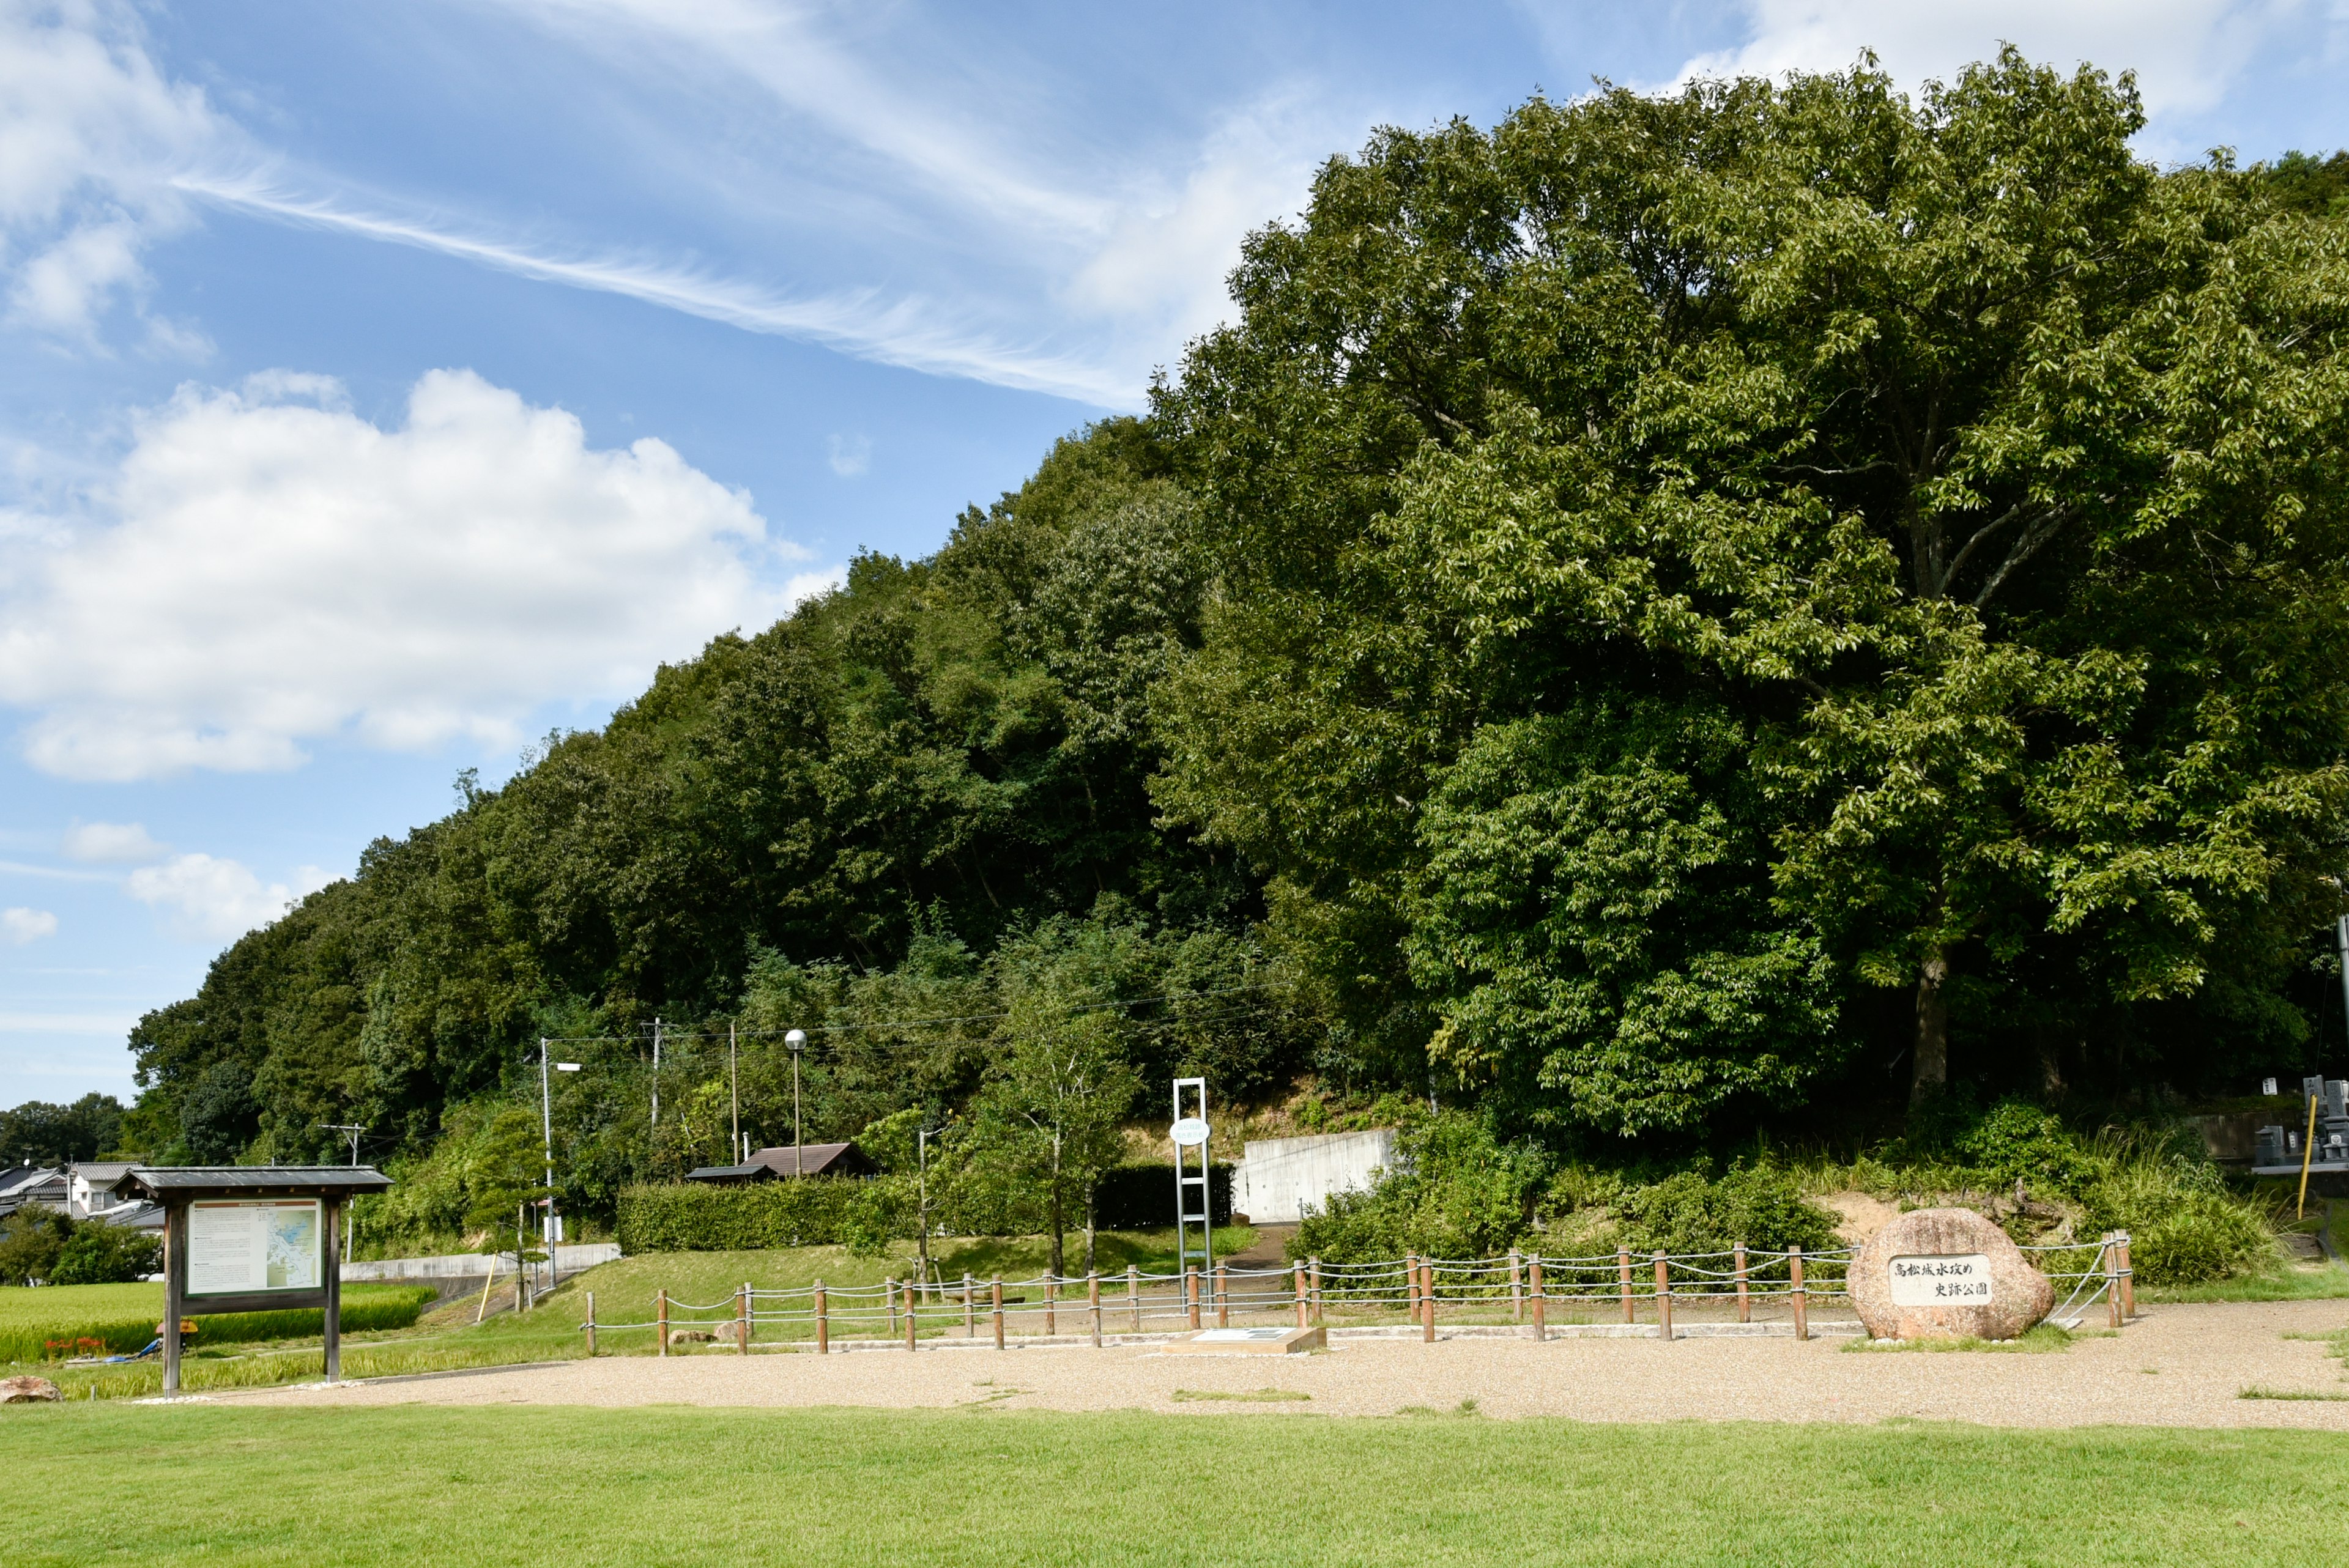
1758	1205
2185	1227
2018	1142
29	1245
107	1255
688	1217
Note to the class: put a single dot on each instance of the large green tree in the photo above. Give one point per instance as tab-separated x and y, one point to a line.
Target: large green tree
1688	562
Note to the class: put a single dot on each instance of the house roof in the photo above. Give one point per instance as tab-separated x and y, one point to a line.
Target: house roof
813	1160
102	1173
24	1176
165	1183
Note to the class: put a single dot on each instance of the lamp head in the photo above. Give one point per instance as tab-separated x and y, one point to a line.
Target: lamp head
796	1039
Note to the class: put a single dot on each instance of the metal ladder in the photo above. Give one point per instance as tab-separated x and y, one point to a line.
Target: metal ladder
1184	1182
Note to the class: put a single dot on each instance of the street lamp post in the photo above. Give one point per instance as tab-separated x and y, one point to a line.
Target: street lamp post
350	1211
797	1041
734	1090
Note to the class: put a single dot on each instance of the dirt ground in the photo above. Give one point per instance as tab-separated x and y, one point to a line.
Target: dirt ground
2173	1367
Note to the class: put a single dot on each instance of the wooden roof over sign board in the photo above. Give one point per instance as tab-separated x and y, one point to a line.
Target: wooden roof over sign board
173	1185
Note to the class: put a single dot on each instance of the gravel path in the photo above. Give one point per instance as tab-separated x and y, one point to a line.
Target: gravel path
2175	1367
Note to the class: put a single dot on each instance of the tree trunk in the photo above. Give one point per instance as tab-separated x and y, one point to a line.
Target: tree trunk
1931	1069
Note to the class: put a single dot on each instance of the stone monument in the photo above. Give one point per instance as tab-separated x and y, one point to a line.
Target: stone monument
1946	1274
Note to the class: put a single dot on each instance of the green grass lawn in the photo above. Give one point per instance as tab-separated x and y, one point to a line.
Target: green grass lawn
500	1485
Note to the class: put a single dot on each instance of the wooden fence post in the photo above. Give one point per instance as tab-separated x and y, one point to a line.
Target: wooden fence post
1313	1267
1427	1300
889	1299
996	1287
743	1319
2129	1282
2110	1261
590	1324
1802	1295
1541	1327
822	1322
1191	1289
660	1316
1517	1286
1223	1299
909	1314
1745	1302
969	1317
1134	1294
1623	1269
1051	1304
1663	1295
1297	1274
1411	1284
1092	1297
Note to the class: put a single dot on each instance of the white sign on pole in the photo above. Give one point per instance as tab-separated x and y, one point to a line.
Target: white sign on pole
1189	1132
238	1246
1959	1279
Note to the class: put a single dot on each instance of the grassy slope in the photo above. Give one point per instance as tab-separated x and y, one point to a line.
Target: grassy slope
624	1291
501	1485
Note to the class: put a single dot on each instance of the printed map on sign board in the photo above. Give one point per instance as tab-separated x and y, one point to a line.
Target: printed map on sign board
232	1247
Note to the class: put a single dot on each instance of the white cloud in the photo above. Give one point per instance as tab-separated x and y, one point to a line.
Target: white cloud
91	133
218	899
20	925
2186	52
113	843
849	455
267	571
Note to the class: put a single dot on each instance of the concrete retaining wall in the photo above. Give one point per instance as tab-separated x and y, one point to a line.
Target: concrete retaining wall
476	1266
1279	1178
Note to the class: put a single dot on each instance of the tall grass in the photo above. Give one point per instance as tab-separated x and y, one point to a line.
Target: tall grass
51	1321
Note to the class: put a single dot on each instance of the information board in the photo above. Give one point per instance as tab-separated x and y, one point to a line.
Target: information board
1959	1279
254	1244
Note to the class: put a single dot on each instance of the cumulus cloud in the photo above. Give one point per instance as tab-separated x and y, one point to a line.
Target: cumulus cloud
267	568
21	925
2186	52
218	899
113	843
91	135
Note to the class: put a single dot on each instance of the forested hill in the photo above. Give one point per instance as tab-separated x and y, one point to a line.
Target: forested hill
1673	610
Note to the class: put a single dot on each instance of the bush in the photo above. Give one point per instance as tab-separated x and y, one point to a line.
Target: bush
2185	1227
107	1255
688	1217
2018	1142
29	1245
1757	1205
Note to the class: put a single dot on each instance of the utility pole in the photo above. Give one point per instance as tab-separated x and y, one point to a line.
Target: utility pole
797	1041
350	1213
656	1037
546	1136
734	1088
922	1202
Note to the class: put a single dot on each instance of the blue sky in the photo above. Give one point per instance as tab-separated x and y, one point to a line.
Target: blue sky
381	387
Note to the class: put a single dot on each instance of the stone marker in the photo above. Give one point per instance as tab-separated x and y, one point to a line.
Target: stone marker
1248	1342
29	1391
1946	1274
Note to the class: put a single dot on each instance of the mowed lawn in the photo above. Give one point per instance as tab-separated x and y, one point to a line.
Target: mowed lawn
521	1484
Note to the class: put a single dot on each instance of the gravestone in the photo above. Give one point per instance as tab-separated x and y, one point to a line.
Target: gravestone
1946	1274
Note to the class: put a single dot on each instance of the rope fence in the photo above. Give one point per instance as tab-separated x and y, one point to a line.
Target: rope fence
1522	1288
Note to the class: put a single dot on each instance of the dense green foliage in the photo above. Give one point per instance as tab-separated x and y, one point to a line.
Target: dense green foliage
1674	611
1690	565
40	1133
677	1217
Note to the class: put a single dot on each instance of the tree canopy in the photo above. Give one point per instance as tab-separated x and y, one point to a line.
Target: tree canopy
1671	611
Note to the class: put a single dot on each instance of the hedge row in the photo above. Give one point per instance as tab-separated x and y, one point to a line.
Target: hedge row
825	1211
395	1307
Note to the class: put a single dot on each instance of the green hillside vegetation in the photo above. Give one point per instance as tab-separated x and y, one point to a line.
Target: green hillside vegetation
1744	610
